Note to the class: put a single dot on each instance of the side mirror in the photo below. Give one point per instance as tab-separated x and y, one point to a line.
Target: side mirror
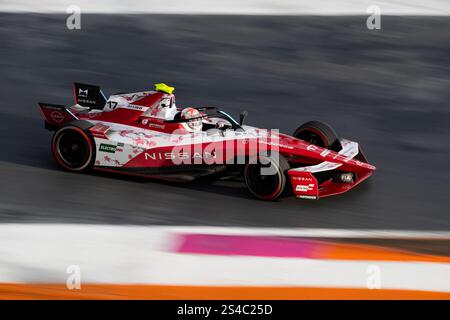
242	117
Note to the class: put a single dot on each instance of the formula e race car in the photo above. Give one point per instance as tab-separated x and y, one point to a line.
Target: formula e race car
146	134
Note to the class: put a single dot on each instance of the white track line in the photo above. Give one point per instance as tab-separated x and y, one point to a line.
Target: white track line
240	7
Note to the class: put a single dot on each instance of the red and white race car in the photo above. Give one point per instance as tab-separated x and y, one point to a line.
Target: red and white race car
145	133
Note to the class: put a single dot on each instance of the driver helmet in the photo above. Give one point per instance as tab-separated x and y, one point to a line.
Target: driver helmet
192	113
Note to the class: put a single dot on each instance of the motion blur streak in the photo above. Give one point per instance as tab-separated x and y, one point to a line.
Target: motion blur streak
254	7
386	89
122	292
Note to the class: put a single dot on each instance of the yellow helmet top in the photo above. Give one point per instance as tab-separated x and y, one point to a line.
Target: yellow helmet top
164	88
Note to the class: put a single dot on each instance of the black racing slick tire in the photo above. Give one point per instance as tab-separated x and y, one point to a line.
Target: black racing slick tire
266	176
73	147
319	134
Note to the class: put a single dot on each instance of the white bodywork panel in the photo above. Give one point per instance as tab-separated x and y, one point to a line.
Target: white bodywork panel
349	150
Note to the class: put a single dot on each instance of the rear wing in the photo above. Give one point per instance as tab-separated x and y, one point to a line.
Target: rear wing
88	95
55	115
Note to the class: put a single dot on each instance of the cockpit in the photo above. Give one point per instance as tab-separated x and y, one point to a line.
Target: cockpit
191	118
205	118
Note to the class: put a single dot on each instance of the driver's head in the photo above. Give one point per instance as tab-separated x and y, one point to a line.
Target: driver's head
192	113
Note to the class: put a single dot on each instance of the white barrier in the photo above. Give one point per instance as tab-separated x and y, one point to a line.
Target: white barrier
240	7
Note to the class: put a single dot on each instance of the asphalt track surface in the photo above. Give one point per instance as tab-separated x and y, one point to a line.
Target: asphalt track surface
388	89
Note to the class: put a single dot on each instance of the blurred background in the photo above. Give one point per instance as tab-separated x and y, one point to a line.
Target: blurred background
387	89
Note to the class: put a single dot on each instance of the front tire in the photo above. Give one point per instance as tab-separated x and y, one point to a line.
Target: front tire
319	134
73	148
270	183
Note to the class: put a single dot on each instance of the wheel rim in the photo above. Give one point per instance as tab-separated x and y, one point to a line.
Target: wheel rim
73	149
265	186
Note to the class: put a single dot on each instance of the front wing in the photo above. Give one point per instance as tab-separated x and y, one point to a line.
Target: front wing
326	178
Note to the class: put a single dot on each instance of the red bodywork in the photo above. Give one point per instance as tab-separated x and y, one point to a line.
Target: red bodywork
313	169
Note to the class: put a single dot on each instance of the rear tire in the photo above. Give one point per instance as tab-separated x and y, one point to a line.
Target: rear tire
319	134
73	148
267	186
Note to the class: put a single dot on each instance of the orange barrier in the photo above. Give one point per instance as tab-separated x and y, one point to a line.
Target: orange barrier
156	292
346	251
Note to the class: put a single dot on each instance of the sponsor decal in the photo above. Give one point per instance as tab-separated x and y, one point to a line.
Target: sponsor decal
120	146
156	125
83	93
179	155
304	187
152	124
302	196
325	152
273	144
87	101
135	107
302	178
107	148
57	116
